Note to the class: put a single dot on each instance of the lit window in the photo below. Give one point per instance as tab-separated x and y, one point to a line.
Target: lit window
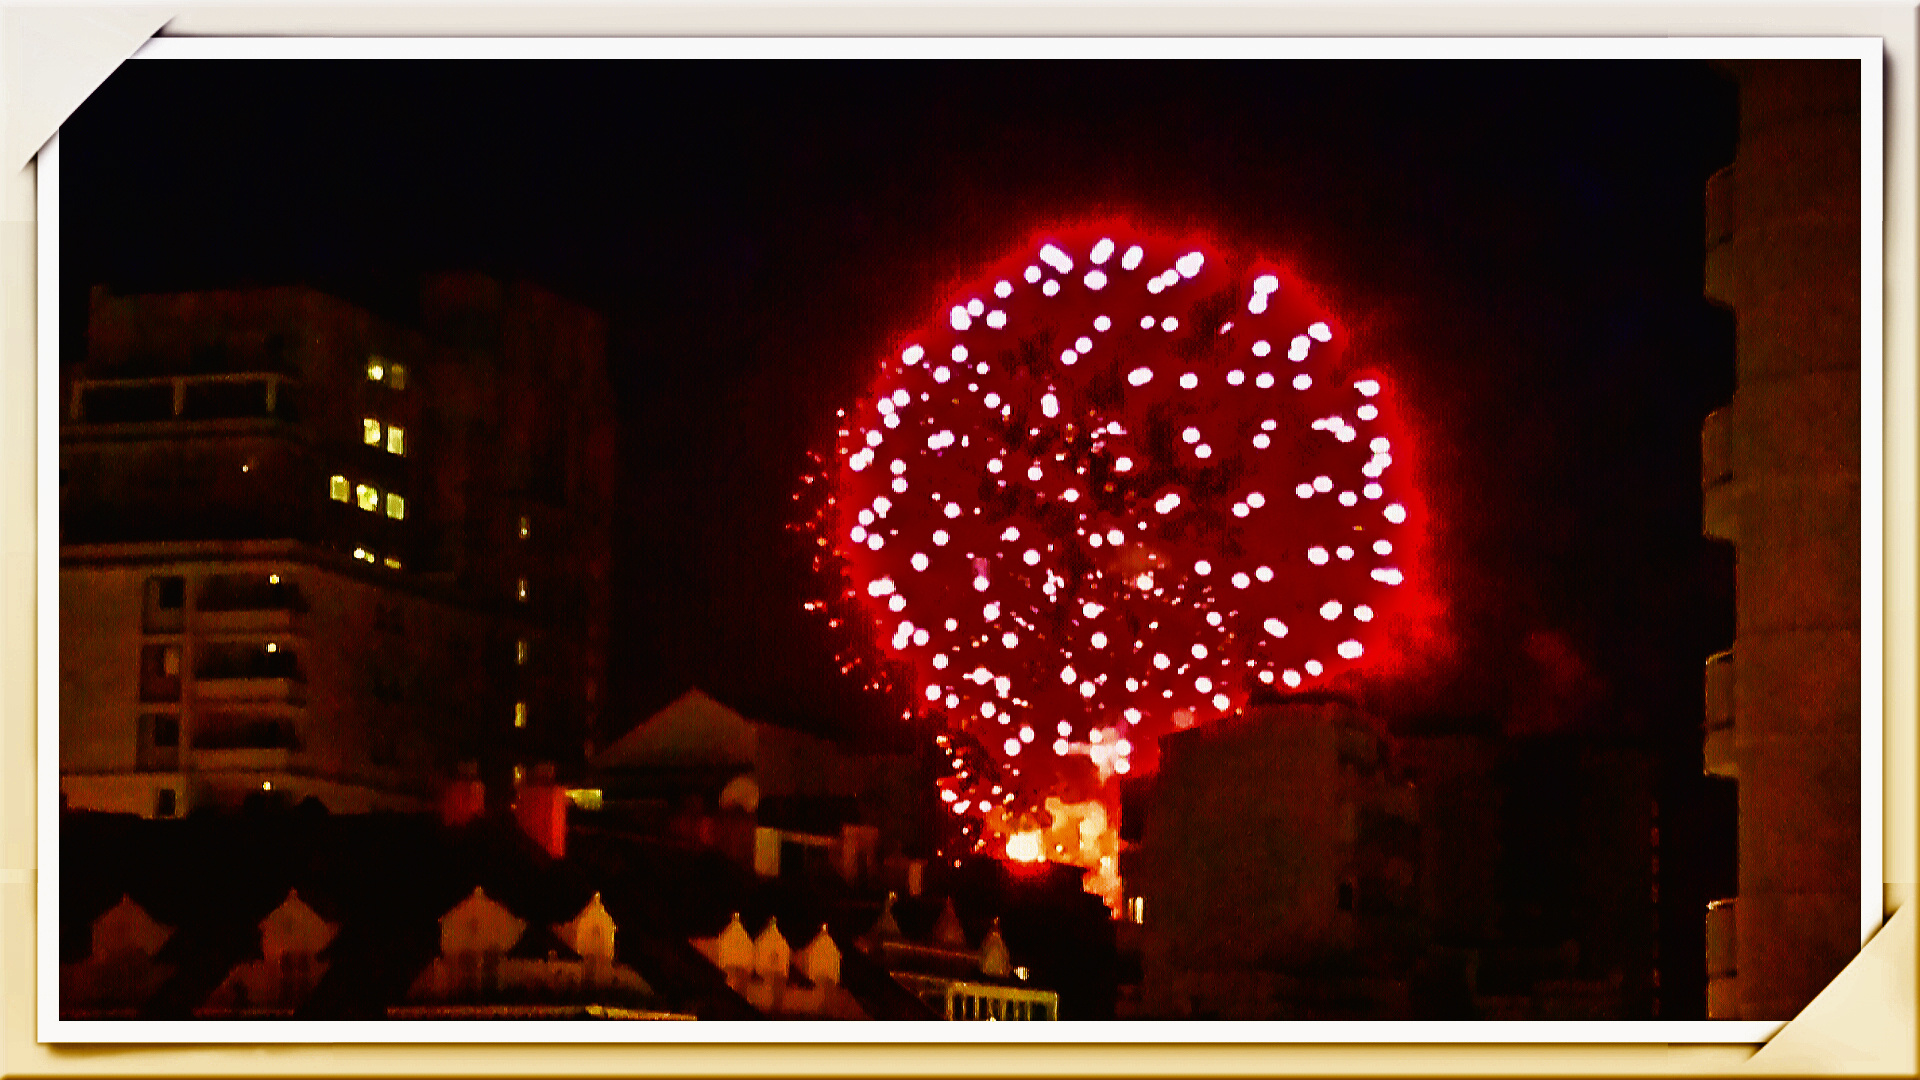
340	489
396	507
376	369
519	714
370	432
392	563
523	588
520	651
396	439
397	377
1137	909
367	497
519	773
526	526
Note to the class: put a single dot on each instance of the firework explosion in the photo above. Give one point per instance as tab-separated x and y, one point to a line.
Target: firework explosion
1115	487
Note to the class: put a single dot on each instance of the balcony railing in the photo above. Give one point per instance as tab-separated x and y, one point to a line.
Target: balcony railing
1723	960
1716	475
230	688
245	759
226	396
1719	750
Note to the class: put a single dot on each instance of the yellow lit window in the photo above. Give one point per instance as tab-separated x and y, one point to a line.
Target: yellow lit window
520	651
340	489
396	507
519	773
370	432
526	526
397	377
396	439
519	714
376	369
367	497
392	563
523	588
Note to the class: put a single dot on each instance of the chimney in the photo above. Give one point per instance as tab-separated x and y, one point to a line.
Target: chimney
541	809
465	797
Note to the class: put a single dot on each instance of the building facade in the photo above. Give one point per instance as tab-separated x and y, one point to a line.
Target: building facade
310	552
1277	875
1781	480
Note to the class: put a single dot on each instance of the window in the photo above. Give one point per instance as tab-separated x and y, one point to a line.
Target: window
160	673
397	377
526	526
370	431
376	369
166	599
519	774
340	489
367	497
520	651
522	590
162	730
1137	910
396	507
392	563
396	440
165	803
519	714
159	747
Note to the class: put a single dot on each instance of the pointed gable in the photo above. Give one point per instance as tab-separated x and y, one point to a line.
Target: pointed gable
479	924
293	927
948	931
126	928
693	730
589	933
819	960
994	958
771	954
734	948
886	927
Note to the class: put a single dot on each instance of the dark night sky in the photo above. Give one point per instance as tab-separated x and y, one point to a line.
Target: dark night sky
1520	242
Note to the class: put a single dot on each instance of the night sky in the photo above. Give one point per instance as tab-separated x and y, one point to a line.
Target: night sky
1520	243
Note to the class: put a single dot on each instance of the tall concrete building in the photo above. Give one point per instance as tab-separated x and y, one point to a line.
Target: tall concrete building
1276	877
310	552
1781	478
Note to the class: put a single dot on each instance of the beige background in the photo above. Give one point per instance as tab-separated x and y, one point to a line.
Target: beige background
50	58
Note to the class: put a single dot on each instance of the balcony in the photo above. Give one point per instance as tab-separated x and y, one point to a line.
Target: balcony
1718	518
1719	237
1723	955
284	621
1719	750
228	689
245	760
170	398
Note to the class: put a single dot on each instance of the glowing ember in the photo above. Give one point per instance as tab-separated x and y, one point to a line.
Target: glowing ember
1024	846
1087	516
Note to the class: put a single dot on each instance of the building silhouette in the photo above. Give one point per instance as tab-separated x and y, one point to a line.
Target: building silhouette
1277	874
1781	480
311	552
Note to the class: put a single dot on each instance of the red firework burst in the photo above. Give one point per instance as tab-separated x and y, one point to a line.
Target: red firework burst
1114	488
